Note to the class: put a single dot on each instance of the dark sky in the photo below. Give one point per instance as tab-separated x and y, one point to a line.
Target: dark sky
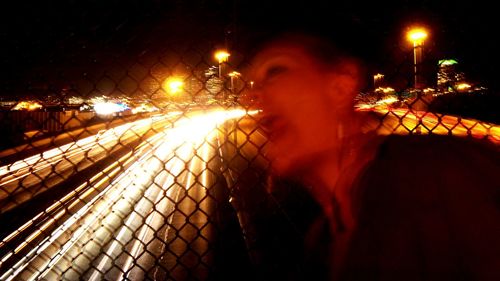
374	30
35	34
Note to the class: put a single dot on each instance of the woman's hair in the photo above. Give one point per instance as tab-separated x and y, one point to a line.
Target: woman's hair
321	48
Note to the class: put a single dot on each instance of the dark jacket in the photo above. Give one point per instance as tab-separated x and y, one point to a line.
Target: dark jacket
428	209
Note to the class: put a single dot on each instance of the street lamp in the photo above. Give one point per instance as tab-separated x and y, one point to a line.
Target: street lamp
232	75
173	85
417	36
378	80
221	57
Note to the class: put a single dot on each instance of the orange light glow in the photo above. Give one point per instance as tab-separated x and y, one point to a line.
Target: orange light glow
437	124
173	85
463	86
234	74
417	35
27	105
222	56
117	197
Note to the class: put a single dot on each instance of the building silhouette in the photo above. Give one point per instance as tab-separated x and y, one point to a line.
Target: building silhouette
448	76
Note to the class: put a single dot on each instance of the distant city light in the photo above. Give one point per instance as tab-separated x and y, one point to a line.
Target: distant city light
385	90
378	79
234	74
447	62
106	108
429	90
27	105
144	107
387	101
463	86
74	100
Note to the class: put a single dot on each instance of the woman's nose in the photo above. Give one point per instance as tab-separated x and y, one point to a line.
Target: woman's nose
251	97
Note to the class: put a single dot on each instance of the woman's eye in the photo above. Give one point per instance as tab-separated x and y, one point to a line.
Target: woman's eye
274	71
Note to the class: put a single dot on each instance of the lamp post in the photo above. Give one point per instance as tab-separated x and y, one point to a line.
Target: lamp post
232	75
378	80
417	36
221	57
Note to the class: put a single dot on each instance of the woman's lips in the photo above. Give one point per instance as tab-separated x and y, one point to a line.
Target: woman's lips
273	125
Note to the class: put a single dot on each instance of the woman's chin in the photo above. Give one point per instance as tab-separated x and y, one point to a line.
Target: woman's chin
287	166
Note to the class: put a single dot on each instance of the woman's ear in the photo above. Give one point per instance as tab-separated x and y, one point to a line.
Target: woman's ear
343	84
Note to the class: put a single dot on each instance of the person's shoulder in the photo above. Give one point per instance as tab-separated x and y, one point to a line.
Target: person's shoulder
426	158
437	145
422	199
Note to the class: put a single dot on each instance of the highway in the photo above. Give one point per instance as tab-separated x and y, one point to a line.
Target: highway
153	188
147	214
403	122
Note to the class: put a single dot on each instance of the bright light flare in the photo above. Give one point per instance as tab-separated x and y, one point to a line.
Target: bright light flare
27	105
221	56
144	107
437	124
174	85
106	108
234	74
149	182
463	87
195	128
388	100
385	90
417	35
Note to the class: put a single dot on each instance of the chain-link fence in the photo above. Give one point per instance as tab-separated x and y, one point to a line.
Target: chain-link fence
128	155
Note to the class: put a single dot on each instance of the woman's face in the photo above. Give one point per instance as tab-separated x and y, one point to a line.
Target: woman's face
294	94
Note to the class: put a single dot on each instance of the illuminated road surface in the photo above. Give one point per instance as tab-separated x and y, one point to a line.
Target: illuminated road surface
403	121
22	180
145	215
148	213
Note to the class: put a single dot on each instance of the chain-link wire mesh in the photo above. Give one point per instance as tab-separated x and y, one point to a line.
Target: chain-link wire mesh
132	157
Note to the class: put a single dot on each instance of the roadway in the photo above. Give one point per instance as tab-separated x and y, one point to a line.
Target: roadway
403	122
147	214
156	194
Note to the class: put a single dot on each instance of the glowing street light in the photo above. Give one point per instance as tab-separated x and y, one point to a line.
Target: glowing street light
221	57
173	85
378	80
232	75
417	36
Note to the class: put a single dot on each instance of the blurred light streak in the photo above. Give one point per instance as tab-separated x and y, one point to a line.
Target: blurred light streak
404	121
135	192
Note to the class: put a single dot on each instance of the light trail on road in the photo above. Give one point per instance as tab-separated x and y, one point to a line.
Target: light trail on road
110	227
403	121
18	180
147	214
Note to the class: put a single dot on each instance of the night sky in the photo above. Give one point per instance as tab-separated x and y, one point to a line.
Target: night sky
36	34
